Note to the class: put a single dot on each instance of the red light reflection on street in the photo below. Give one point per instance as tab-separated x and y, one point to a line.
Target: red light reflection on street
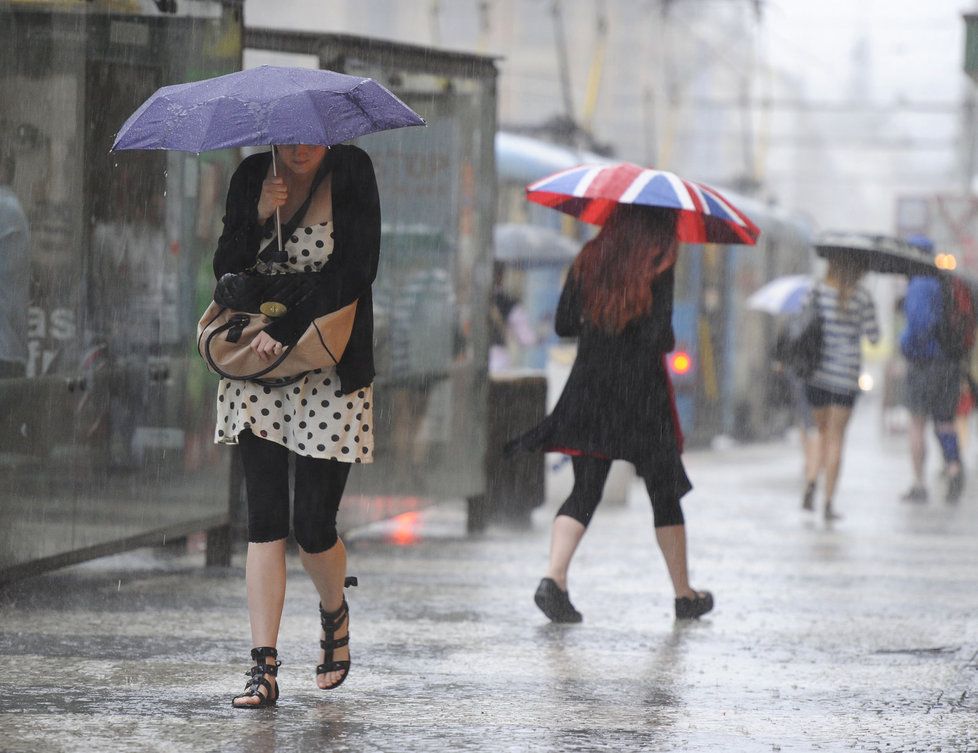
404	528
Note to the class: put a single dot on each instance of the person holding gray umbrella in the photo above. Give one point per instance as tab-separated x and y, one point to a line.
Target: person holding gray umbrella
847	313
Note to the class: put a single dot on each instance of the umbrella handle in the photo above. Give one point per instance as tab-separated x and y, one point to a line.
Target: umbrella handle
278	214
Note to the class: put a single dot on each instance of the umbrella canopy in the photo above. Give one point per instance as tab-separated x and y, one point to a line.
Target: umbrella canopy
876	253
532	245
262	106
782	295
591	192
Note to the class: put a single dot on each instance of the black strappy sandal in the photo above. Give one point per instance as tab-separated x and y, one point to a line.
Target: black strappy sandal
257	683
331	622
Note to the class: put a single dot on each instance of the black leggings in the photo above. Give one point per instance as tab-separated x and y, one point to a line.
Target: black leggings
319	487
589	477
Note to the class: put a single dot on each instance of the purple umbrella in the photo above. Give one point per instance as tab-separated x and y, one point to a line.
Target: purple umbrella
264	106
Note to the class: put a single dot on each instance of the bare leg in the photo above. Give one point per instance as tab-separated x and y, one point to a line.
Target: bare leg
328	571
265	583
672	542
821	416
918	448
812	446
565	535
838	420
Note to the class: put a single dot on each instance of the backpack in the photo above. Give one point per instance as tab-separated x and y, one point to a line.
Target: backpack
799	344
956	327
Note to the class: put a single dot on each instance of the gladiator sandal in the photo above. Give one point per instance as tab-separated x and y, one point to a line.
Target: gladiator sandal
258	685
331	623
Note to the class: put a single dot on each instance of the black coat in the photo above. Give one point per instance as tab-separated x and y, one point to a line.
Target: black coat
350	270
617	401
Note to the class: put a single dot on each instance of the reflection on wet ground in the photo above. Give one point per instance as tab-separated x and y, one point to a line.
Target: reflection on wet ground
858	636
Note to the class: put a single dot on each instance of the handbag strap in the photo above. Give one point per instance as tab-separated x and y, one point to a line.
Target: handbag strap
271	254
256	377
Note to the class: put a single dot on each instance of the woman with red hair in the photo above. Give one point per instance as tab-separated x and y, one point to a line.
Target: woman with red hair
617	404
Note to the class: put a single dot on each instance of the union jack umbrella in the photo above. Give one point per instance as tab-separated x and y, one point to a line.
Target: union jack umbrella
591	192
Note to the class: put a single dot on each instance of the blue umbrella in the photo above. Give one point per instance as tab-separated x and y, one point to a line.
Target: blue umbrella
782	295
264	106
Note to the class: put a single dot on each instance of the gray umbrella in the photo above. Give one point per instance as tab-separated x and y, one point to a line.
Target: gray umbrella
532	245
875	253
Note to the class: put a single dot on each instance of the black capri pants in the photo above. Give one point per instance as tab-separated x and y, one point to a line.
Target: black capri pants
590	475
319	486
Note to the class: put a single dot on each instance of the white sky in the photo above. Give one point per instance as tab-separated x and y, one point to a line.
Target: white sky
917	44
913	55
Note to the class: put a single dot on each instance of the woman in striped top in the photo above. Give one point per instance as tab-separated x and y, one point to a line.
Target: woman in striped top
848	314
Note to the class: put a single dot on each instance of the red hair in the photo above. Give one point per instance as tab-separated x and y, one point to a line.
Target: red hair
616	269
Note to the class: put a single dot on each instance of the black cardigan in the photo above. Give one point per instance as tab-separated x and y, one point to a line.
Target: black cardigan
350	270
617	403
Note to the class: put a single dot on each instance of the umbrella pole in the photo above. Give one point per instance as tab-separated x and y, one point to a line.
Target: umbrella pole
278	215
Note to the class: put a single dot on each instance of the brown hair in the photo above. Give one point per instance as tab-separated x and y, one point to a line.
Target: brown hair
845	274
615	269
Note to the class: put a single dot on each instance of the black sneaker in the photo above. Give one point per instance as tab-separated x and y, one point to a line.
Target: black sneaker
690	609
555	603
808	500
955	485
915	493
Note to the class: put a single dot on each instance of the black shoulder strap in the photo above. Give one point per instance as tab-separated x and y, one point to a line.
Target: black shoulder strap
270	254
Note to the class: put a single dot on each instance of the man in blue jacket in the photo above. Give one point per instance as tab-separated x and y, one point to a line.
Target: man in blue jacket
933	382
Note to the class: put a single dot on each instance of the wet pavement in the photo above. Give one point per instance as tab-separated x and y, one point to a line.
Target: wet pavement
859	635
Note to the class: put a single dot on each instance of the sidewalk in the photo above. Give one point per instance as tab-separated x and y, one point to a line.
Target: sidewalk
858	636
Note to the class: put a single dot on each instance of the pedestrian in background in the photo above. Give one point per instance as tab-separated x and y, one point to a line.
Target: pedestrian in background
323	423
15	272
801	413
933	382
617	403
847	314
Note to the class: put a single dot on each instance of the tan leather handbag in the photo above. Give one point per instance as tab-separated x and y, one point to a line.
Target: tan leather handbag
224	338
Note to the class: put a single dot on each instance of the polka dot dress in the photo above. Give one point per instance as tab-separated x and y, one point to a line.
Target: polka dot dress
311	417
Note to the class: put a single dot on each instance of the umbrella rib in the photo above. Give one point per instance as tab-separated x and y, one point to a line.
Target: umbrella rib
210	117
350	96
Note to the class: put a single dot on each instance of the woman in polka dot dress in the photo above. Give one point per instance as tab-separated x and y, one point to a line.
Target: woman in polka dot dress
325	420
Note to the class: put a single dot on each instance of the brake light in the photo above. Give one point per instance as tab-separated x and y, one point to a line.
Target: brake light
680	362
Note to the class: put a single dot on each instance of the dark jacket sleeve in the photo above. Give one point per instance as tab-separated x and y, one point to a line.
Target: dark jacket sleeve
352	267
663	290
657	328
567	321
238	245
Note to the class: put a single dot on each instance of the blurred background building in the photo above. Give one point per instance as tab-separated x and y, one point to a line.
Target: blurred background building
846	111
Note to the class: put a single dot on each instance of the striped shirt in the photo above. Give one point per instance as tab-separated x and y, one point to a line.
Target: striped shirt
842	328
